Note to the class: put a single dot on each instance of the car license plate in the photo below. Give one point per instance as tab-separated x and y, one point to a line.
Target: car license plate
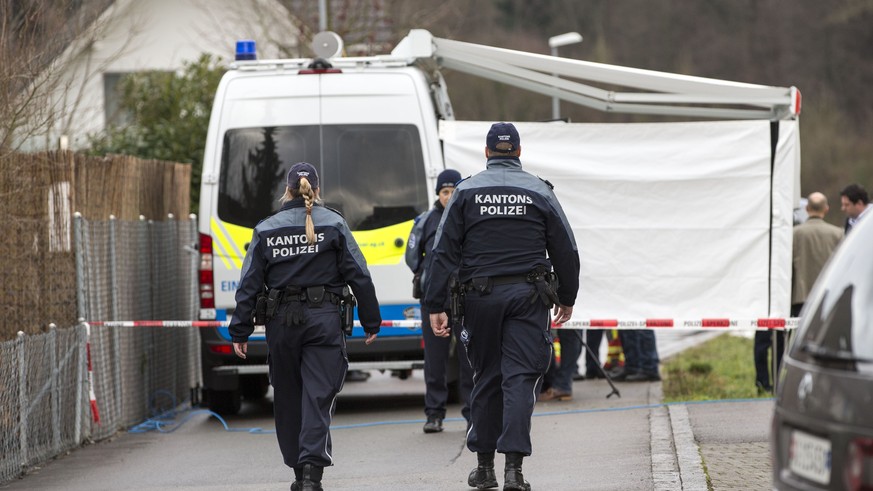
810	457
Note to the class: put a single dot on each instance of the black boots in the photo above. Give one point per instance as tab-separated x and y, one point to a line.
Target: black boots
433	425
307	478
512	478
482	477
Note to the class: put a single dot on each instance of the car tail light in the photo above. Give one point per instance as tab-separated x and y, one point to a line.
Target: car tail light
206	286
859	465
221	349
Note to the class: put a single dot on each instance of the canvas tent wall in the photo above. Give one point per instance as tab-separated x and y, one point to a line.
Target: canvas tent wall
674	220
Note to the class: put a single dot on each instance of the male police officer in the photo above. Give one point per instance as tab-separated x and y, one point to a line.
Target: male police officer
497	229
436	349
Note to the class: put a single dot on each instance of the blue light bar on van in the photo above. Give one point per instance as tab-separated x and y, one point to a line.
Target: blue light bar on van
246	50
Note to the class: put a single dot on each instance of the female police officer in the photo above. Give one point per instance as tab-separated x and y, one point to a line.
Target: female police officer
296	266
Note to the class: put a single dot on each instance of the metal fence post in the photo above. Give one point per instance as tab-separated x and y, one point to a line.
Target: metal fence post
114	332
81	291
194	304
149	338
54	397
113	266
22	397
80	376
171	335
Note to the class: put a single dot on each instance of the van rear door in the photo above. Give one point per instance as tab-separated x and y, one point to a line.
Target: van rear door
363	131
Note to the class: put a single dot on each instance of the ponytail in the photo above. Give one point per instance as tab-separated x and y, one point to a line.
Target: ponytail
309	197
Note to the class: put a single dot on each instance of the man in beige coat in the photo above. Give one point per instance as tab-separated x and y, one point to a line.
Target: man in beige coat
814	242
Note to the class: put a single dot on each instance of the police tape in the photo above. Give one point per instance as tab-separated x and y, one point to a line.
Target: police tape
697	324
92	394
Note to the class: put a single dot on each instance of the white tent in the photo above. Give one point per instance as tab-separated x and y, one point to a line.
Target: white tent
672	220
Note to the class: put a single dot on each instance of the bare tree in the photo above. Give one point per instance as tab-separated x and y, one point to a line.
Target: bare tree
33	33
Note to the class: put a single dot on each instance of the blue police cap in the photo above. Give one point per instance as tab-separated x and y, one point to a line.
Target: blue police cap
502	137
302	169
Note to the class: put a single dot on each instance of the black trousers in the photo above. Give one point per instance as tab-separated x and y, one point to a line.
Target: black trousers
763	344
593	339
308	365
436	361
509	345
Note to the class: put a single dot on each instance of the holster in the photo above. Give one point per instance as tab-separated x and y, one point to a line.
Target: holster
456	295
416	286
259	315
347	311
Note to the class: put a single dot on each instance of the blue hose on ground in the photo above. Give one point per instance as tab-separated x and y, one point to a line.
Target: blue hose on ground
165	422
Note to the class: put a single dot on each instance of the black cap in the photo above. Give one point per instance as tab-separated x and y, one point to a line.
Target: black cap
302	169
503	137
447	179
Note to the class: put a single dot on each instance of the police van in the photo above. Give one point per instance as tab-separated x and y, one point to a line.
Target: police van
369	125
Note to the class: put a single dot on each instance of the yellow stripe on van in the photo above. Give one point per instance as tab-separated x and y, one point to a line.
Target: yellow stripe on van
231	240
380	246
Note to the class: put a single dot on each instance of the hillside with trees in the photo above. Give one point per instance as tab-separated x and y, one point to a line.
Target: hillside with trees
823	48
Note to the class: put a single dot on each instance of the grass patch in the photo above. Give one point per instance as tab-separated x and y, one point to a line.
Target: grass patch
721	368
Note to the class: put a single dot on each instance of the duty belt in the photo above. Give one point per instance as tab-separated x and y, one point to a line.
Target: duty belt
311	295
483	284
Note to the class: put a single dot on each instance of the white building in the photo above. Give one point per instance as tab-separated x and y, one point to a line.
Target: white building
80	88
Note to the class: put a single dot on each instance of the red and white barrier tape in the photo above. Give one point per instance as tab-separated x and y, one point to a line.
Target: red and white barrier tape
95	413
704	324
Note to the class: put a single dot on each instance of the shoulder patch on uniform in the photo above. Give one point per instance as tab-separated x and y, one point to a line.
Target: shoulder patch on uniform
550	185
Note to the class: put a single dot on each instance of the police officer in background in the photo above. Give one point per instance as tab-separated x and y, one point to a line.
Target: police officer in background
498	228
293	279
436	349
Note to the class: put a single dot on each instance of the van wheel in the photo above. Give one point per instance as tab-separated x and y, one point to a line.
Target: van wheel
225	402
254	388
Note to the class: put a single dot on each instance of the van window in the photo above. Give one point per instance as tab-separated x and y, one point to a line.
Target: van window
373	174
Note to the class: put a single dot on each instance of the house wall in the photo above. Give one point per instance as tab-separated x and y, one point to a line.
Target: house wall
134	36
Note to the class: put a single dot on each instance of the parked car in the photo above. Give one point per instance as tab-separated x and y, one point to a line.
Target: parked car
822	434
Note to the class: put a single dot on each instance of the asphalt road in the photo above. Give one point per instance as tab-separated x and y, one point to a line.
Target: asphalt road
589	443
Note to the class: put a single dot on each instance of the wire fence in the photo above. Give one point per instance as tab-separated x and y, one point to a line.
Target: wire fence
72	385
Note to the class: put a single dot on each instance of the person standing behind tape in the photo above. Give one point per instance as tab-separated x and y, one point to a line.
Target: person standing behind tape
496	232
292	280
855	203
436	349
814	241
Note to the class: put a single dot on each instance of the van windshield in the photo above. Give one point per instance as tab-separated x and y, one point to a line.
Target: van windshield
373	174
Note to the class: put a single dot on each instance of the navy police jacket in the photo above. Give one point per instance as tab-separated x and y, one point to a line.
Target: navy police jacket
502	222
422	245
279	256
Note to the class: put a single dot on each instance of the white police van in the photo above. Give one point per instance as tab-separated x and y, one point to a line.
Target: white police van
369	125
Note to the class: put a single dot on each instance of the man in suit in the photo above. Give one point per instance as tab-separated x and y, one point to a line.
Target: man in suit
855	203
814	242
